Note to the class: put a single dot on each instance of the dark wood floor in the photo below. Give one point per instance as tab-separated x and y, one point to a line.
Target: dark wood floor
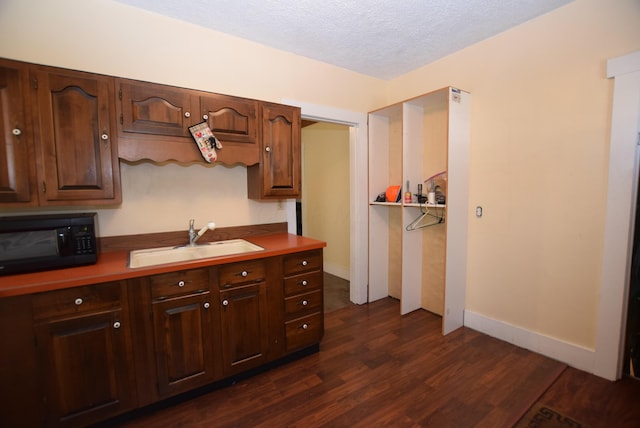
377	368
336	292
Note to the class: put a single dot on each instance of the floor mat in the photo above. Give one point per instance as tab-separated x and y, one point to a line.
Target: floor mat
542	416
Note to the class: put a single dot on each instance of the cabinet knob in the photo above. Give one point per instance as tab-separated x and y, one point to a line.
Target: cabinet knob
225	302
206	305
187	114
304	326
16	131
116	324
180	283
104	136
305	302
304	263
78	301
244	273
304	283
205	117
267	149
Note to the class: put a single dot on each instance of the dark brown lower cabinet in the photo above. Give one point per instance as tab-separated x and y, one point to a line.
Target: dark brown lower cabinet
85	367
184	343
82	355
244	327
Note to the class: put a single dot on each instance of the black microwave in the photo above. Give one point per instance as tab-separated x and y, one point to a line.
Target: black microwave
42	242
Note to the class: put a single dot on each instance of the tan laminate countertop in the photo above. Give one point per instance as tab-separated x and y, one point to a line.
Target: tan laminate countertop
113	266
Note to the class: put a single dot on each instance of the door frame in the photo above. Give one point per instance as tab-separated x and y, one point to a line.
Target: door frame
619	220
358	185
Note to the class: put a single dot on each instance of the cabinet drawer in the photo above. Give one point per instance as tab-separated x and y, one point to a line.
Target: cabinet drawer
177	283
302	283
304	331
302	262
241	273
79	300
303	302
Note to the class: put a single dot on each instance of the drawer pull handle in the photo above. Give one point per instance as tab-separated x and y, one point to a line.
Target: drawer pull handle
78	301
304	326
104	136
180	283
206	305
16	131
304	263
116	324
225	302
304	302
304	283
244	273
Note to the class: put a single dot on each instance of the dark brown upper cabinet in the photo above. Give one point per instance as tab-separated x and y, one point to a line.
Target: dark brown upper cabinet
76	150
234	121
278	175
57	146
155	120
63	132
17	169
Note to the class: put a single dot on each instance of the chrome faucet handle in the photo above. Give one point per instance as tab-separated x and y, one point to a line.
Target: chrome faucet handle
192	232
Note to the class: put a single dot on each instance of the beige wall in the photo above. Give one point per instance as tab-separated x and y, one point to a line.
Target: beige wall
107	37
539	151
325	192
541	106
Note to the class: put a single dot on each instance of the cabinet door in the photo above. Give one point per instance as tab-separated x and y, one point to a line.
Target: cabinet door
244	327
85	365
279	173
148	108
234	121
78	150
17	167
184	343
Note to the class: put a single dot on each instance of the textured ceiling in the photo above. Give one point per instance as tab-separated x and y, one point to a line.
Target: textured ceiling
379	38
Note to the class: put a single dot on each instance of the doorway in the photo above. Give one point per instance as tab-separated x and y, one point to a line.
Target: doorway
323	211
358	189
631	361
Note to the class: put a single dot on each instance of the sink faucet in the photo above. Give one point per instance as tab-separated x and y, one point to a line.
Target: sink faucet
193	236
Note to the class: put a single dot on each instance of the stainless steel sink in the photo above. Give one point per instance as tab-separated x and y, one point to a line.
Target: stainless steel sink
162	255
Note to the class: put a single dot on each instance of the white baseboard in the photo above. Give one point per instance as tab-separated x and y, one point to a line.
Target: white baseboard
568	353
339	271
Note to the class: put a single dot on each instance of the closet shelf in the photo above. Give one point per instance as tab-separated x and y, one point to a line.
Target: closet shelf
398	204
390	204
426	205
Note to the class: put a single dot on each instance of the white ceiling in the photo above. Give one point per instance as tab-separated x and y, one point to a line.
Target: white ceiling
379	38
